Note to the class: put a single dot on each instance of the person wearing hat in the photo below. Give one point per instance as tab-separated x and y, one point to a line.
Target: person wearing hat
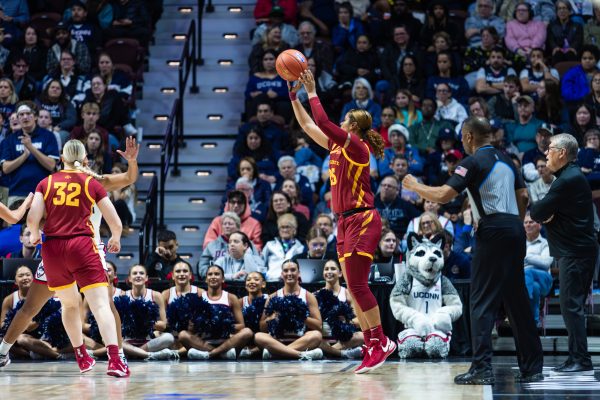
28	155
424	135
398	136
289	34
63	40
284	10
522	131
82	29
542	139
451	158
435	165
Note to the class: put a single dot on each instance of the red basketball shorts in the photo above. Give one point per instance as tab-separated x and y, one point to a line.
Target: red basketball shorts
358	233
71	261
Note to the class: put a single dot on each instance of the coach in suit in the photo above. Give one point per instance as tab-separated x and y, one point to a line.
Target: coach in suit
567	210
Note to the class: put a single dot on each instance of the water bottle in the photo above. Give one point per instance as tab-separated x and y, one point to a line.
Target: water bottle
376	274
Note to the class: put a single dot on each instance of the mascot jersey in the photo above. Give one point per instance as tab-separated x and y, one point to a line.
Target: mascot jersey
426	300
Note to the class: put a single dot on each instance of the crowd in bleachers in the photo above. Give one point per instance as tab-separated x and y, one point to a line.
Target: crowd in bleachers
75	65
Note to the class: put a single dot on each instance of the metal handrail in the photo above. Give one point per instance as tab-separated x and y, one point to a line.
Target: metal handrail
168	150
148	227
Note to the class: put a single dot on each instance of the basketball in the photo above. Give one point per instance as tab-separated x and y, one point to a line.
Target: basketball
290	64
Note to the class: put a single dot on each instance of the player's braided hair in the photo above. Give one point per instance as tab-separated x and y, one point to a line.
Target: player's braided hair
73	154
364	120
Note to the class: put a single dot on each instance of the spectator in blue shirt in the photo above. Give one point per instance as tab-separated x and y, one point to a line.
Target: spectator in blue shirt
348	29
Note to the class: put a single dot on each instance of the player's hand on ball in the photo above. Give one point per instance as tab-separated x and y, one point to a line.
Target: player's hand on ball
410	182
294	86
308	80
114	245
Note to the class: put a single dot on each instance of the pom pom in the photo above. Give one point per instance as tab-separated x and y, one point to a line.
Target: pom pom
292	313
139	324
54	331
185	309
338	314
49	308
253	313
9	317
221	322
94	329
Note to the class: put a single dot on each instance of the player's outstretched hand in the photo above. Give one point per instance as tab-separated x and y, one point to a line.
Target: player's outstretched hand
294	86
28	200
308	80
114	245
131	149
410	182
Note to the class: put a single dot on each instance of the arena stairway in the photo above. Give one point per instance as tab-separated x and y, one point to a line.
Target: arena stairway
209	142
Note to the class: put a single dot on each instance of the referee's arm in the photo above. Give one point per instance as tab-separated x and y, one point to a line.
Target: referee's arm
438	194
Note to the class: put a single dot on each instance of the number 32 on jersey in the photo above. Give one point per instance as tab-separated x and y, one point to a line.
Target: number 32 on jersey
66	194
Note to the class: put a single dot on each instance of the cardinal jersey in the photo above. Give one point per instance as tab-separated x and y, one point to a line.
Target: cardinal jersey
69	197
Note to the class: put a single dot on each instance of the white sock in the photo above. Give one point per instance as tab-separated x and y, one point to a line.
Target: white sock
5	348
121	353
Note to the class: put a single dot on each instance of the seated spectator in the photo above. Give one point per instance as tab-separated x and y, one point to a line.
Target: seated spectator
359	61
14	14
477	57
592	98
402	14
458	84
435	164
309	338
457	265
82	29
424	135
407	113
410	77
490	79
123	199
484	16
291	188
437	19
575	83
55	101
239	260
230	223
522	131
362	98
90	114
588	158
448	108
316	246
538	279
131	20
398	135
237	203
115	79
24	83
266	85
450	159
29	155
8	99
284	10
283	247
442	42
541	186
388	115
345	34
503	106
551	107
271	40
320	13
271	126
258	188
282	204
34	52
393	53
563	37
327	89
287	169
325	223
62	41
591	30
523	34
68	75
392	207
161	261
388	250
542	140
583	120
306	157
399	166
28	250
430	208
532	76
289	34
314	48
45	121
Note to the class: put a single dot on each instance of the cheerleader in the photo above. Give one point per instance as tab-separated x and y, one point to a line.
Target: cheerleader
255	284
144	348
27	345
332	274
305	344
182	279
202	348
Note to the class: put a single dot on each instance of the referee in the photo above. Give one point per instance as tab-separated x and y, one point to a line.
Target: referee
498	200
567	210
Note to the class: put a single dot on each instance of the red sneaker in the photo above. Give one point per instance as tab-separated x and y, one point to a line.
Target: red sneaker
117	368
365	353
85	362
379	352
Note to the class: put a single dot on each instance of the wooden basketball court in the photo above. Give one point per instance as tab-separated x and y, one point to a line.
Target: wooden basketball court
282	380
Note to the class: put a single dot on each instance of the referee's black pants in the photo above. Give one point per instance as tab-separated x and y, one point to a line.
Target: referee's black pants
575	277
498	278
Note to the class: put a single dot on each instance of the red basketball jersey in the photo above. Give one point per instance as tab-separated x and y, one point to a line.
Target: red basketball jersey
69	197
349	175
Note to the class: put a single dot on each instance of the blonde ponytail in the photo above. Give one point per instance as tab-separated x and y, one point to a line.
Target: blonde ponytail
73	154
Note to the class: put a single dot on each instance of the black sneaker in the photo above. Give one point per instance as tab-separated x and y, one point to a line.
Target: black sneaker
565	363
476	377
574	367
530	377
